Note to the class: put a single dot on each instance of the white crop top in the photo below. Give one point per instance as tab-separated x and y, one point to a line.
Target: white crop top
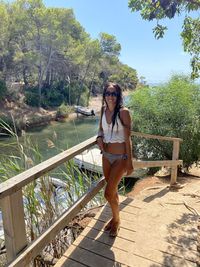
115	136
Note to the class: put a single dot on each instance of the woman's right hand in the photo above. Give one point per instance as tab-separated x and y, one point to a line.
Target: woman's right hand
100	143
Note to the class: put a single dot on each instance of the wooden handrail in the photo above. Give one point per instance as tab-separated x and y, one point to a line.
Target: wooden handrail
166	138
17	182
156	163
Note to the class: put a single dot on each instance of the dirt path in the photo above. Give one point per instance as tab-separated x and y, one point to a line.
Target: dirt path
153	181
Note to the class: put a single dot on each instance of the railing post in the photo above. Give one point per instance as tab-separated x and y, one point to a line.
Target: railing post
13	224
175	156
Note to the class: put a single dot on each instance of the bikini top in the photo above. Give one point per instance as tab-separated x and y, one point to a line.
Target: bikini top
115	136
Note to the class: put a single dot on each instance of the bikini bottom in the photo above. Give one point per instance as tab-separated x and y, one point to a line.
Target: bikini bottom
113	157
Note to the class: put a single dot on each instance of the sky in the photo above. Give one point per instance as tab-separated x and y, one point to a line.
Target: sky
156	60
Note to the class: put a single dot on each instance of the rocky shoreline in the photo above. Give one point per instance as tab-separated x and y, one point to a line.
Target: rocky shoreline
26	117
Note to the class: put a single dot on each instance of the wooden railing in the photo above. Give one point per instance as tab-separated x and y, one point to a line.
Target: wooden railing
174	163
19	252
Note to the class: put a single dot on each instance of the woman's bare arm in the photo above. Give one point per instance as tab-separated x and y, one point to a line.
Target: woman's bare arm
100	132
126	120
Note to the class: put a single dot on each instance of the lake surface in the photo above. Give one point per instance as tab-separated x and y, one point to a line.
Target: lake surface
62	134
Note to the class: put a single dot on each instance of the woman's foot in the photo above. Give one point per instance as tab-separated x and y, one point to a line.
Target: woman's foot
108	226
114	229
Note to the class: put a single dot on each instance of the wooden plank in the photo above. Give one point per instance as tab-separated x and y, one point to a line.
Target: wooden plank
130	201
175	156
123	215
148	249
124	208
123	256
156	163
36	247
106	217
184	235
128	231
123	233
166	138
64	262
188	239
13	224
17	182
87	257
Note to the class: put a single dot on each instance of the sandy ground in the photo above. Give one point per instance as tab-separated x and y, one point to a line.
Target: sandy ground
157	180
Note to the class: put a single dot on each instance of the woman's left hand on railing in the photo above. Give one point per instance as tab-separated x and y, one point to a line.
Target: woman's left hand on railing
100	143
129	168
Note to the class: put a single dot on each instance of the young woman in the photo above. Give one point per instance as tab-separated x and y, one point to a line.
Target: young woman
114	141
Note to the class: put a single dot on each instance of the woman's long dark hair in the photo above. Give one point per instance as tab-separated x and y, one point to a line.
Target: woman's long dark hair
119	102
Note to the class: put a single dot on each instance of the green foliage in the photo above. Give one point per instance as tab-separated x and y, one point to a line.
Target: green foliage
159	31
51	54
32	96
52	98
76	94
63	111
169	110
125	76
3	89
161	9
84	98
191	42
109	44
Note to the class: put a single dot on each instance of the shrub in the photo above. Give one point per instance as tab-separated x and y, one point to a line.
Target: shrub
84	101
170	110
75	94
3	89
52	98
63	111
32	96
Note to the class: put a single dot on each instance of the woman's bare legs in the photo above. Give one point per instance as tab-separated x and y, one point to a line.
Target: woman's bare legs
106	171
113	174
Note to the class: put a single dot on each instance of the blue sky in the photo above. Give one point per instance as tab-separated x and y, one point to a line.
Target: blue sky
154	59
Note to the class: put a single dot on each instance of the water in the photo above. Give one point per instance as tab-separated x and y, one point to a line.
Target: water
63	135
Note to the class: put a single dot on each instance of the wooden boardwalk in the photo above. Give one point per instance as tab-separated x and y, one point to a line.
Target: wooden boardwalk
153	233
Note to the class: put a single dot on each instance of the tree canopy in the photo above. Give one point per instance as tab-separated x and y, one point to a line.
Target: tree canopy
161	9
49	51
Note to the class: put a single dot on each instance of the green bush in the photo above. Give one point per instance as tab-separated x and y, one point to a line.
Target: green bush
169	110
75	94
3	89
63	111
52	98
32	96
84	101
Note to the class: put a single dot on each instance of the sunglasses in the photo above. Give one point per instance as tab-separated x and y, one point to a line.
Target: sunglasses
115	94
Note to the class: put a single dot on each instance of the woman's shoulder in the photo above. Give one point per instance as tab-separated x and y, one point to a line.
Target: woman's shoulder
124	111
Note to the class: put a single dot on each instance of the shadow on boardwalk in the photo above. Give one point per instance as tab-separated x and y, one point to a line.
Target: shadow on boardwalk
157	229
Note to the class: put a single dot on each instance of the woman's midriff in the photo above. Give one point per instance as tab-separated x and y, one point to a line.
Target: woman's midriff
115	148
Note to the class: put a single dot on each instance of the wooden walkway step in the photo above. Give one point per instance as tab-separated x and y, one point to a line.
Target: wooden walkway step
145	239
